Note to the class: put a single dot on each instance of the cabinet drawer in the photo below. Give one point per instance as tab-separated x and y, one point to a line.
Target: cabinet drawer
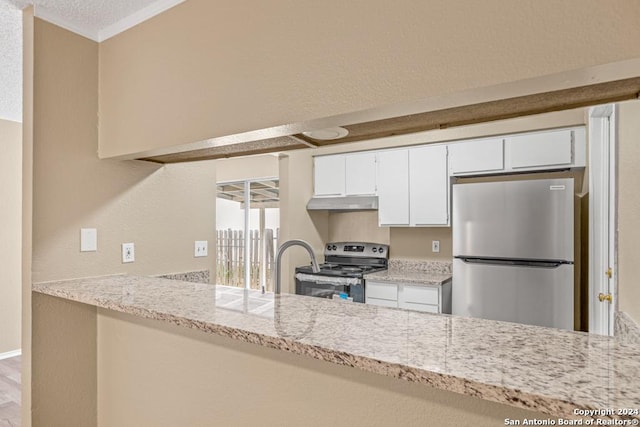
420	295
386	291
426	308
382	302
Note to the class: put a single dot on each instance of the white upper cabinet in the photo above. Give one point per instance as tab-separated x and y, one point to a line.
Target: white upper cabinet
428	186
543	149
393	187
360	174
546	150
413	187
329	175
475	157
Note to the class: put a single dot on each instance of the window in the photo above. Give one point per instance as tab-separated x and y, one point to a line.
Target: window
247	239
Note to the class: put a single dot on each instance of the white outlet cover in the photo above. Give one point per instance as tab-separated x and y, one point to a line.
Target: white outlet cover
435	246
128	252
201	248
88	240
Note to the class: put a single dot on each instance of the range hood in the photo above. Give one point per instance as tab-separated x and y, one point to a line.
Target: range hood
342	204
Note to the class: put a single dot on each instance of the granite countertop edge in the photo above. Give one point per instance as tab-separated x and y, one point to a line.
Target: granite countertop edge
559	407
412	277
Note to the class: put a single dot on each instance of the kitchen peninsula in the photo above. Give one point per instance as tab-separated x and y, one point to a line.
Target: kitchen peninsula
141	334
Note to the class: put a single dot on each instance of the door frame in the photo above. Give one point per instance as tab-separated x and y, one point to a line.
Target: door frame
602	217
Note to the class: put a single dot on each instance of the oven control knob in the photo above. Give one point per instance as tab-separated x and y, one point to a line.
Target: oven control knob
333	247
375	250
328	247
380	250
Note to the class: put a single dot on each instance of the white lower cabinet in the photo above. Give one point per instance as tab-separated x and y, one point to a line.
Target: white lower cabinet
426	298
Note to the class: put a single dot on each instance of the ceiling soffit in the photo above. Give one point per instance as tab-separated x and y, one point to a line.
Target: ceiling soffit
565	99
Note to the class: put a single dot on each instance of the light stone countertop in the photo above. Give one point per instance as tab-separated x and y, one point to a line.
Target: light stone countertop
547	370
414	277
427	273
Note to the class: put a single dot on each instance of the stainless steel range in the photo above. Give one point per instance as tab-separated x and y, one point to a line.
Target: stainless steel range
342	273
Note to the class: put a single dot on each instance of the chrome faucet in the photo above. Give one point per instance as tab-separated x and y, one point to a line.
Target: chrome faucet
282	248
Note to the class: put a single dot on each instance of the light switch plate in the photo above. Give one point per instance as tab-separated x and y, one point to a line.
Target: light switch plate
88	240
435	246
201	248
128	252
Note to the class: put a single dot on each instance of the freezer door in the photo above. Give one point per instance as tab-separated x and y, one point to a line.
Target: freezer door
540	296
517	219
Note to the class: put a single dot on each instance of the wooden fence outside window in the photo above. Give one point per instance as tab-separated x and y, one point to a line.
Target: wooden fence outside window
230	257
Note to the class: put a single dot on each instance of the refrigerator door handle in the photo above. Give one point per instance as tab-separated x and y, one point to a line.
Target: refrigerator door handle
513	262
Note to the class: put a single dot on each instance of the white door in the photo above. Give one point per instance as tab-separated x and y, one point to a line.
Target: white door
429	186
393	187
329	175
602	203
360	170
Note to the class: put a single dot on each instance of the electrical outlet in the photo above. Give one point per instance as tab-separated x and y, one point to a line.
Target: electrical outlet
435	246
201	248
128	252
88	240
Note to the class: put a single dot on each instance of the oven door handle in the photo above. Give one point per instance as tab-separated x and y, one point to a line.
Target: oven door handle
323	280
327	282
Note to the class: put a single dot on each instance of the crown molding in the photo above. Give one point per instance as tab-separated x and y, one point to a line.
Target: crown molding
136	18
52	17
100	35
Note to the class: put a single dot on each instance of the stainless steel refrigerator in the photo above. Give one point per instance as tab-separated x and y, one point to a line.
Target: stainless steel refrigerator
513	251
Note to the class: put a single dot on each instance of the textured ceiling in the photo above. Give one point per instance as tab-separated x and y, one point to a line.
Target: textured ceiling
95	19
10	62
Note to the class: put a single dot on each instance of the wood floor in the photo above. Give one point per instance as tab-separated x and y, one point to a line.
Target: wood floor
10	392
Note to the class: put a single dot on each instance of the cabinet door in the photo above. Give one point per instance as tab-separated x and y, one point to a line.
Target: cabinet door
471	157
360	171
429	186
544	149
329	175
393	187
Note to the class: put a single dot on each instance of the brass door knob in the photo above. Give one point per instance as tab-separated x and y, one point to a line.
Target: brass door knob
602	297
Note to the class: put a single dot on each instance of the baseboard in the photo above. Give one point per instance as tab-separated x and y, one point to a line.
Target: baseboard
9	354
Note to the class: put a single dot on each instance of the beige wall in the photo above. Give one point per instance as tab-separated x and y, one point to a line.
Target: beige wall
27	207
10	230
296	188
241	168
629	209
162	209
203	69
64	363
